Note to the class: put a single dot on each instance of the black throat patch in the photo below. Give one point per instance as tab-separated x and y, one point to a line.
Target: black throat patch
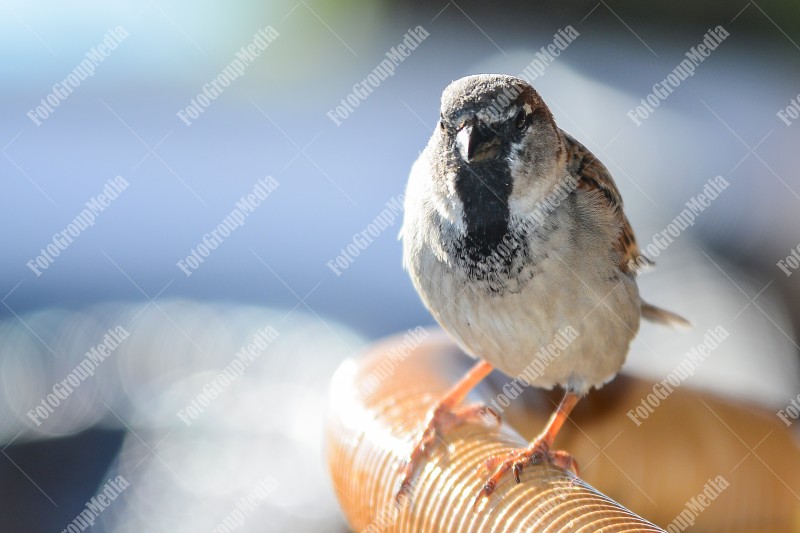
484	191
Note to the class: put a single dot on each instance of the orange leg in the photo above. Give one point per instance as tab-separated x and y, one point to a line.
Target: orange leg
445	416
538	451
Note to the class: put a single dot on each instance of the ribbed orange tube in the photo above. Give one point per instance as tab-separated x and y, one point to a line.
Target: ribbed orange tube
379	402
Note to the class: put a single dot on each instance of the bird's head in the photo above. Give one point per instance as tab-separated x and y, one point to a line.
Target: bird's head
496	149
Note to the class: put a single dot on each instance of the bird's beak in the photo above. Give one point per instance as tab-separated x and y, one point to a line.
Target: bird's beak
477	143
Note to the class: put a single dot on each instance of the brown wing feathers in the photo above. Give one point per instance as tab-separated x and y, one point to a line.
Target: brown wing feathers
594	176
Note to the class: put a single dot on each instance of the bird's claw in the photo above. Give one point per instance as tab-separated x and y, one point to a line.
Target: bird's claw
440	420
539	452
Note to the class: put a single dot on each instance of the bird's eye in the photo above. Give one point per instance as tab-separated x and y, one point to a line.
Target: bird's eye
521	120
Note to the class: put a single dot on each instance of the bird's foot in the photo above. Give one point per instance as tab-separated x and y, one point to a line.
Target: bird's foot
515	460
440	420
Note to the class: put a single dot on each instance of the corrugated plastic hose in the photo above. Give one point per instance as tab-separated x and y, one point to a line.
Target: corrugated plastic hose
378	403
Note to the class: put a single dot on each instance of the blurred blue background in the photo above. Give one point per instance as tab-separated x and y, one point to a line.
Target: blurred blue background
333	180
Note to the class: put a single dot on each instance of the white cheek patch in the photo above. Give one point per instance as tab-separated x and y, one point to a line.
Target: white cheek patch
531	185
450	207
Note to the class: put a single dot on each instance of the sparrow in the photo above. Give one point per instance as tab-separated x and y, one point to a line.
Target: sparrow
512	232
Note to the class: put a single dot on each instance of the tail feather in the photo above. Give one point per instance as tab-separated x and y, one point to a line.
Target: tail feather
662	316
